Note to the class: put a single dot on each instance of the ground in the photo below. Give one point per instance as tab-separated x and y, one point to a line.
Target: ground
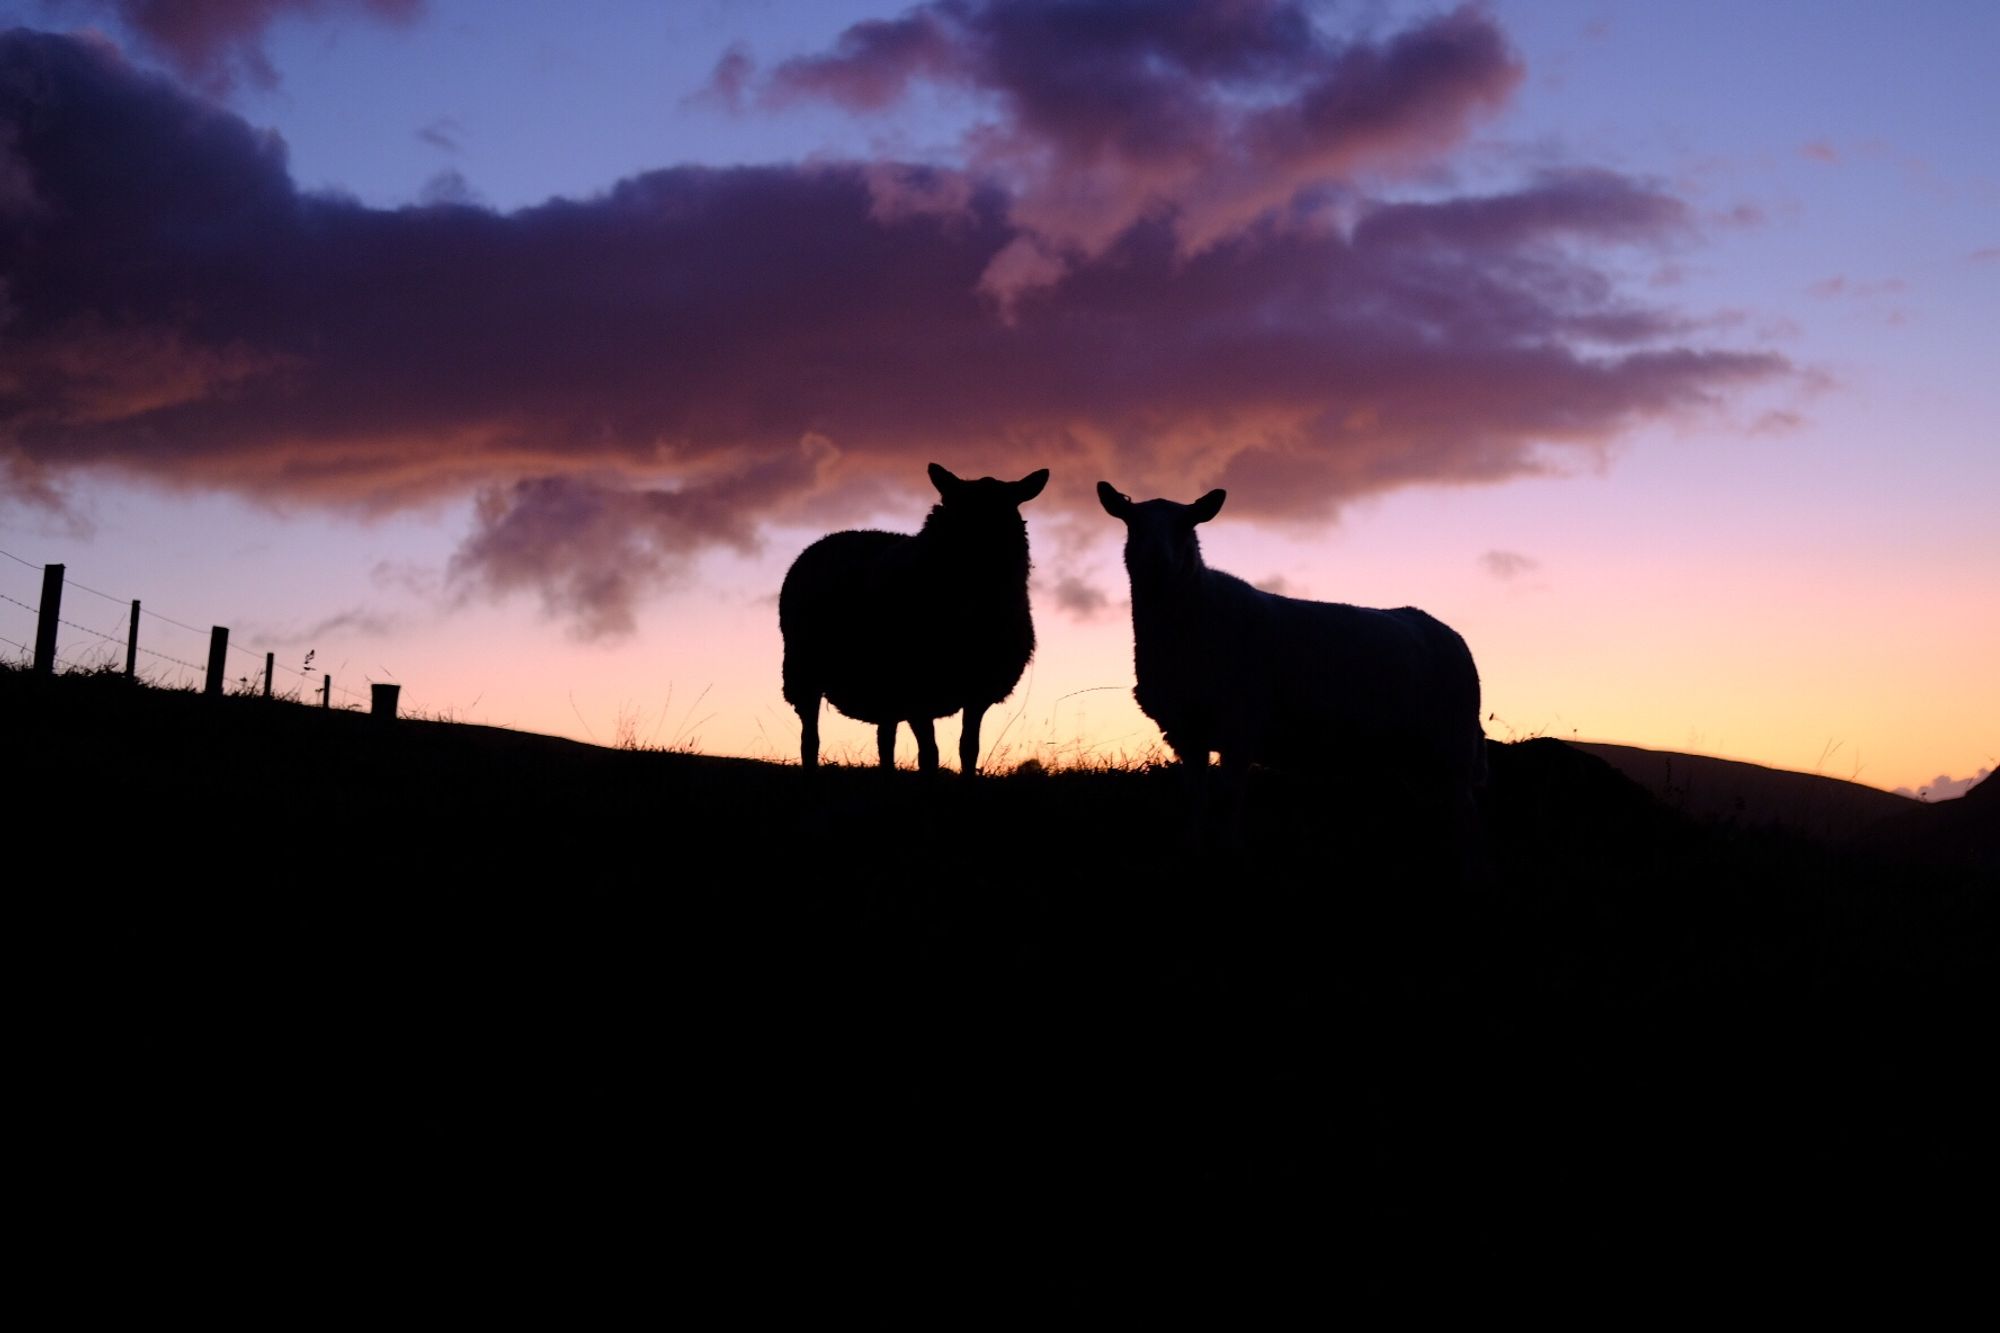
421	982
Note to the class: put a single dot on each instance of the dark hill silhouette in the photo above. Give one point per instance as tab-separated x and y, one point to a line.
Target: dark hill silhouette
1960	832
445	986
1752	794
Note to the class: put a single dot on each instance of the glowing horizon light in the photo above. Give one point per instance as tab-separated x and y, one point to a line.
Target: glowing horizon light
519	351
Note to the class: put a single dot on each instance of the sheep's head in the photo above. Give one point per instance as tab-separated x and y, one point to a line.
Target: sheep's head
986	501
1159	534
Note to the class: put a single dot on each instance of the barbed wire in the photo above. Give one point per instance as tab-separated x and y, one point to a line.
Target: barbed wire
69	582
88	630
166	658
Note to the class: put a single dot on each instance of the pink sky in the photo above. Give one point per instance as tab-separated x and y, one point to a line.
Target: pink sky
1655	369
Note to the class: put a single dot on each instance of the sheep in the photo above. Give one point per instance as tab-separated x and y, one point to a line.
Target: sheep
892	628
1256	677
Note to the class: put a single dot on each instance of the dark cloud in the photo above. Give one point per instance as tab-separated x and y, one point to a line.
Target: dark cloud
215	44
592	548
629	378
1113	112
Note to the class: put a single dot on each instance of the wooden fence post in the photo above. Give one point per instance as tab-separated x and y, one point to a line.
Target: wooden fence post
132	642
218	652
45	628
326	692
269	660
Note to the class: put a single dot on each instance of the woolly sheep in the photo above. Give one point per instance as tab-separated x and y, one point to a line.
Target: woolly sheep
1256	677
892	628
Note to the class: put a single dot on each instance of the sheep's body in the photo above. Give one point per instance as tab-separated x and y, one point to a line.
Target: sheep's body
1256	677
1227	668
892	628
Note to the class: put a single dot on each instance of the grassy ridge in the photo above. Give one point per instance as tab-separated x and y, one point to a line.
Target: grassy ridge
433	971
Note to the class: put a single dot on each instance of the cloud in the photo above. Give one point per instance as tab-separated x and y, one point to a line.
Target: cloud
1841	285
354	622
1080	599
1109	113
1944	787
1820	150
1988	255
627	379
1777	422
1508	565
444	133
450	189
593	548
215	44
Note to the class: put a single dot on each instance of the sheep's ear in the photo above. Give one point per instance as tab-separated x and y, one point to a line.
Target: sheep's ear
1207	507
1030	486
1115	504
947	485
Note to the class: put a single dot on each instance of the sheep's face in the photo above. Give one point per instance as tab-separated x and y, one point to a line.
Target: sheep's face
1159	534
986	502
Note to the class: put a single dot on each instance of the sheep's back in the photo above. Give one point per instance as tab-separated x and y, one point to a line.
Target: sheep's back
1394	684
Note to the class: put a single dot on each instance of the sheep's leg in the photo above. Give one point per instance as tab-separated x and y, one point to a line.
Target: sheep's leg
968	740
925	730
1194	772
808	733
885	744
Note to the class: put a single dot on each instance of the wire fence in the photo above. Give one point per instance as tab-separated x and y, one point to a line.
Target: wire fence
164	663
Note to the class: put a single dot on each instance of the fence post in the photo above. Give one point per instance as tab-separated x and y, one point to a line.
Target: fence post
269	658
218	652
326	692
45	628
132	642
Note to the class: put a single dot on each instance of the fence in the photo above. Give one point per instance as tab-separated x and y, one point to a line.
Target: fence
48	621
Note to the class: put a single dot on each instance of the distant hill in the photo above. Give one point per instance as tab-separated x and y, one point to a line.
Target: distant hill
1751	794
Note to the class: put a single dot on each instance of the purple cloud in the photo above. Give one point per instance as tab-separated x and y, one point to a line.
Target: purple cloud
214	44
1110	113
628	379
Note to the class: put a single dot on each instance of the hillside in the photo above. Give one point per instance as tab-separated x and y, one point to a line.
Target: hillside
1751	794
304	952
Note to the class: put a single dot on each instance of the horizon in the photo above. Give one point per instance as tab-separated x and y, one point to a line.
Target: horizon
1669	395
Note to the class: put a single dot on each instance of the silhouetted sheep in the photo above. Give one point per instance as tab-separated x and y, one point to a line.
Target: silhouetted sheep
892	628
1257	677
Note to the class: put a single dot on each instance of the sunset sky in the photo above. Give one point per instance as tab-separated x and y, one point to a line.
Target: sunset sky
512	350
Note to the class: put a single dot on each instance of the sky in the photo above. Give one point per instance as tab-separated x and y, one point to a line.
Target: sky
510	351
